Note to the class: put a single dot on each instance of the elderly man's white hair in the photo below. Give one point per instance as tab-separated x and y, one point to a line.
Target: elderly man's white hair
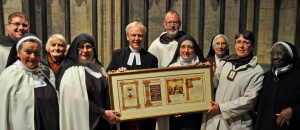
135	23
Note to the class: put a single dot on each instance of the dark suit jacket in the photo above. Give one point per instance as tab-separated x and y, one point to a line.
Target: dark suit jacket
120	58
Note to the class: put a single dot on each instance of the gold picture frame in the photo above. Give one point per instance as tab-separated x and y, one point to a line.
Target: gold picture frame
148	93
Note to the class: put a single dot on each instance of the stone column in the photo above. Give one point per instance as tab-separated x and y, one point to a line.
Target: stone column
287	21
265	29
109	29
10	6
232	22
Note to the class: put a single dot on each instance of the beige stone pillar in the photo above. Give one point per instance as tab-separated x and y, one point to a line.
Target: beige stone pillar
109	29
211	23
9	7
56	17
156	18
232	16
287	21
265	31
250	15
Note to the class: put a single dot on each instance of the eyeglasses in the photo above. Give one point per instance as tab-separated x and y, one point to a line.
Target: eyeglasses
88	48
278	53
19	24
242	42
176	23
188	47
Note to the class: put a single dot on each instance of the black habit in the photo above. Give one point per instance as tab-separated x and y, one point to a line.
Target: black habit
46	111
276	96
6	41
279	94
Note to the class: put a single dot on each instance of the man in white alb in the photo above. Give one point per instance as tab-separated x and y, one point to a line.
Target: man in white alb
165	45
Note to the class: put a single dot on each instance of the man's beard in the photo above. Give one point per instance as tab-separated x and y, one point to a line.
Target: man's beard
173	34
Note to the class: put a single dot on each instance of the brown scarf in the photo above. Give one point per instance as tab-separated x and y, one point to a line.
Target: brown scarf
237	61
164	39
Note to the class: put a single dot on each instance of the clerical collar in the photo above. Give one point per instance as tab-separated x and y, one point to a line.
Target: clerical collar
136	54
164	39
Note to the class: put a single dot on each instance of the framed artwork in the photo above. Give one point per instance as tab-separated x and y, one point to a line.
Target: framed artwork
149	93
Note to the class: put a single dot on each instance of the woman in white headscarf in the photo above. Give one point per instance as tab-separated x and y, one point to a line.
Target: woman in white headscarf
28	97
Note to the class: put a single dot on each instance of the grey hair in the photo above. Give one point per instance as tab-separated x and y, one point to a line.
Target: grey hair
135	23
221	35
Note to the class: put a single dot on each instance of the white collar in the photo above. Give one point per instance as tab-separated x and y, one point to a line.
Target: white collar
93	73
283	69
136	54
217	59
37	75
191	61
91	66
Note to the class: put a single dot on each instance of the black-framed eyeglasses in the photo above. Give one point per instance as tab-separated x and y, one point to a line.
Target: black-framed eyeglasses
25	25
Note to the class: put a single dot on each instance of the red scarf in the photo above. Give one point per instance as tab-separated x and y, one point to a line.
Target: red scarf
54	66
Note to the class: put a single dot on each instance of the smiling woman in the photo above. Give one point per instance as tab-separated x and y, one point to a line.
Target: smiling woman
85	51
278	104
187	52
218	49
30	53
83	89
56	47
238	79
29	99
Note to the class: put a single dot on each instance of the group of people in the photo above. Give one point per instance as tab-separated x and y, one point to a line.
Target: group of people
67	89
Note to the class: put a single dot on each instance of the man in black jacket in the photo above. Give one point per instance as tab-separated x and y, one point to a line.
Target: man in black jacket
132	58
